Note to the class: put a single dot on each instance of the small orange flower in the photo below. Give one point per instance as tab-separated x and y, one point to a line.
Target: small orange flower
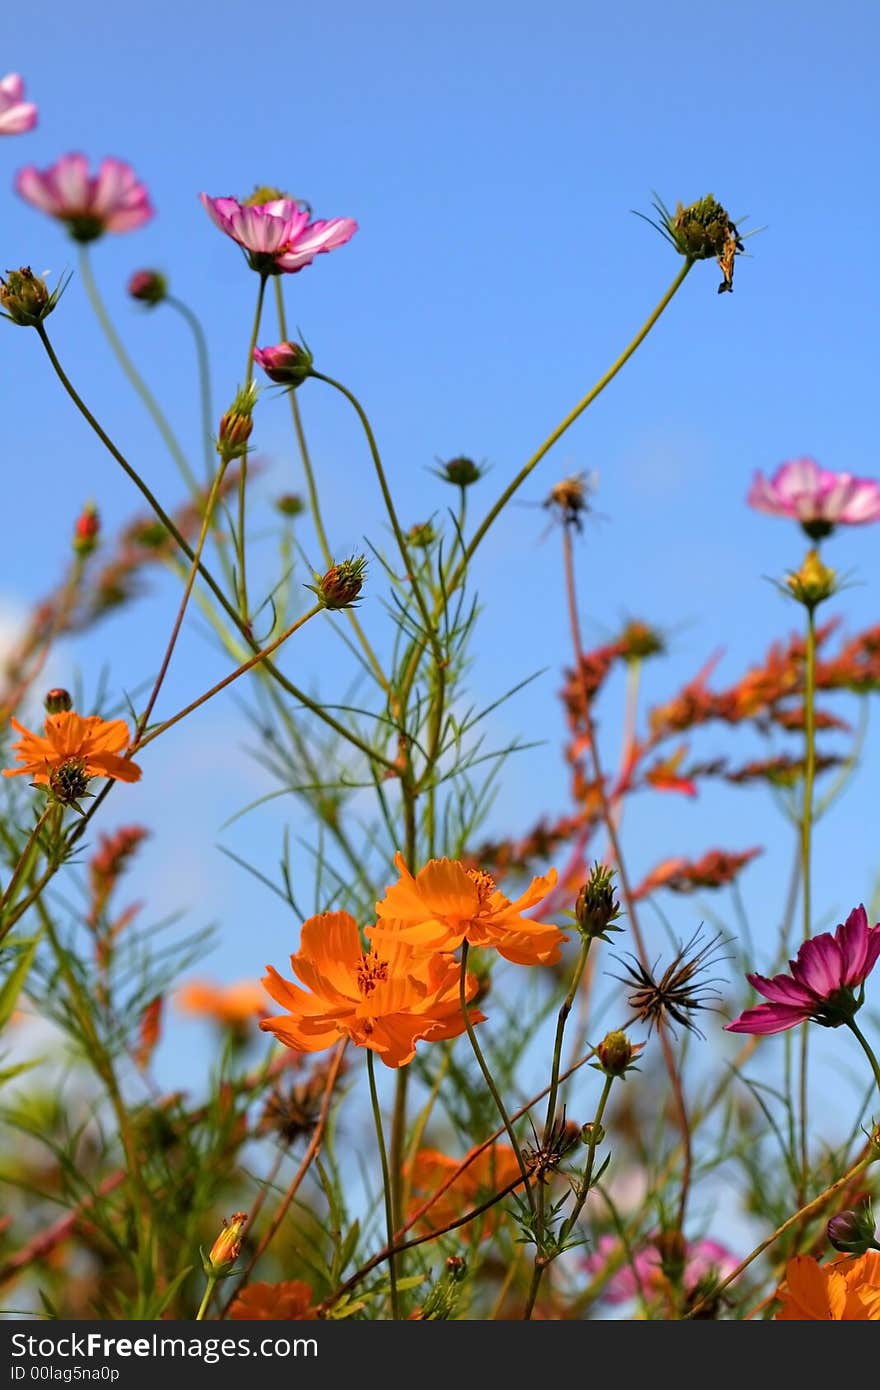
287	1301
844	1290
227	1247
446	904
71	751
493	1170
386	999
232	1006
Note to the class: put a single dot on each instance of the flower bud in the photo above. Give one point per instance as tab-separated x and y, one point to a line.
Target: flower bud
596	908
86	530
226	1248
592	1134
148	287
57	700
616	1053
813	582
640	641
456	1267
672	1249
26	297
461	471
341	585
853	1232
288	364
290	504
422	535
237	424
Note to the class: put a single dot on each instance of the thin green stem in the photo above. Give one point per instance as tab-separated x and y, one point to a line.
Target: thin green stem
204	368
866	1048
386	1182
398	1145
240	543
206	1298
806	872
25	862
561	1020
489	1079
134	377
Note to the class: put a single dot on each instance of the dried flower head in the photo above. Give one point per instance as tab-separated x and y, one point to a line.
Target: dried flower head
569	499
701	231
681	991
26	298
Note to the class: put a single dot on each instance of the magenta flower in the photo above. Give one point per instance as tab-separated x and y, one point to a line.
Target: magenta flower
822	982
288	363
816	497
277	237
16	116
110	201
643	1275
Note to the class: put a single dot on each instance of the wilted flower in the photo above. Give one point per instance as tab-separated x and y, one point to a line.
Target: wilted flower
680	992
700	232
822	981
386	999
26	297
445	904
288	363
277	236
570	500
845	1290
71	751
16	115
148	287
816	497
113	200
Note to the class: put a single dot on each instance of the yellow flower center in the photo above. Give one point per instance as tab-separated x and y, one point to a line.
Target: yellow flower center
484	884
371	972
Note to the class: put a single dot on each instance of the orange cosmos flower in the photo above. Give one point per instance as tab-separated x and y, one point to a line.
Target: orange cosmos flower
844	1290
232	1006
494	1169
290	1300
386	999
446	904
71	751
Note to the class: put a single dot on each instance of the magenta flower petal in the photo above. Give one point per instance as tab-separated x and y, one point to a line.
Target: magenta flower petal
277	235
113	200
819	965
16	115
782	989
815	496
770	1018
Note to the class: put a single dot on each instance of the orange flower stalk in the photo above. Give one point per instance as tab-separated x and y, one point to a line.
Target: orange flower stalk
232	1006
844	1290
290	1300
494	1169
446	904
72	750
386	999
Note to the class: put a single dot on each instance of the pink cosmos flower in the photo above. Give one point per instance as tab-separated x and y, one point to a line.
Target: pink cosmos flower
277	237
110	201
822	982
643	1276
16	116
816	497
287	363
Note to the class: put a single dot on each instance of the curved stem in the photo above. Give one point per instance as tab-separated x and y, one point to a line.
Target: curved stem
134	377
806	867
204	368
206	1298
489	1079
386	1181
866	1048
569	419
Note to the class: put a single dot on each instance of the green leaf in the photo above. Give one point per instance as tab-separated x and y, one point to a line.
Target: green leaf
14	982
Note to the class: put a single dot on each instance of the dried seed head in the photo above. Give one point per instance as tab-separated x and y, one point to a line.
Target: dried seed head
680	992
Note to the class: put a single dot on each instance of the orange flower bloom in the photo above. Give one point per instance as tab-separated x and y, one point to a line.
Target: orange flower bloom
288	1301
493	1170
446	904
71	751
386	999
229	1005
844	1290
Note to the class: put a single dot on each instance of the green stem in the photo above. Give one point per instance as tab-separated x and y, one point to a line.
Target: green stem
866	1048
562	1018
24	862
134	377
489	1079
398	1145
242	472
386	1183
569	419
204	369
206	1299
806	868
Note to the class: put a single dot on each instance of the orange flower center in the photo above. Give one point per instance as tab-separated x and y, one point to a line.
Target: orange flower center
371	972
484	884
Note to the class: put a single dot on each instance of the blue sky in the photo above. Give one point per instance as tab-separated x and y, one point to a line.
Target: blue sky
492	155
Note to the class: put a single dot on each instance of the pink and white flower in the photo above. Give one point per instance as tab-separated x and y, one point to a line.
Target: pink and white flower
642	1276
822	982
816	497
277	236
16	115
113	200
